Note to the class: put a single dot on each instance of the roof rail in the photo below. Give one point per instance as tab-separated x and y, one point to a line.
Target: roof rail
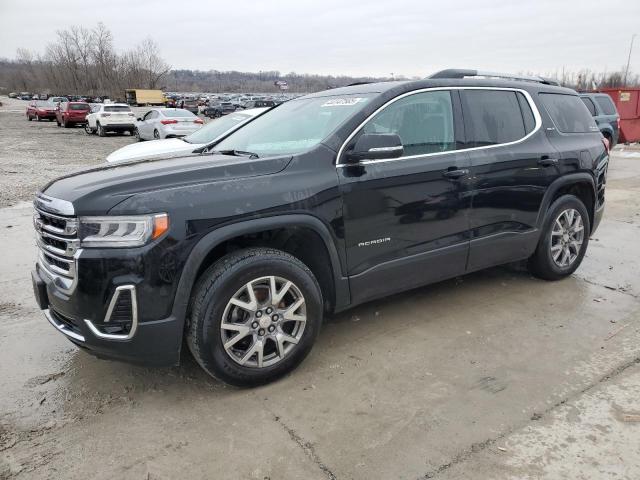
358	83
461	73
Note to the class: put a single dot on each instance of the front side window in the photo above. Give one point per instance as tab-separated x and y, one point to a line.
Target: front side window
493	117
423	121
569	113
607	106
295	126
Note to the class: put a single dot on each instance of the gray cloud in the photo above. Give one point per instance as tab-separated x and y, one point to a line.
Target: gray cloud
358	37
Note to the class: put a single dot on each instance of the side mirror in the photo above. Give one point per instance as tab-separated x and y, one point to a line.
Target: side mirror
375	146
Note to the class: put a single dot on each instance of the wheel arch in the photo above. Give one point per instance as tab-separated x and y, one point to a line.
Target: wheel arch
207	250
582	185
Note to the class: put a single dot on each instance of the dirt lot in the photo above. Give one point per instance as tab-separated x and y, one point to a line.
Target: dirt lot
493	375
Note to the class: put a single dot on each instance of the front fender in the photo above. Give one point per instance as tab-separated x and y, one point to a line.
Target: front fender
207	243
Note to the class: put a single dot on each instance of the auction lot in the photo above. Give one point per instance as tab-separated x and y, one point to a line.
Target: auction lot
492	375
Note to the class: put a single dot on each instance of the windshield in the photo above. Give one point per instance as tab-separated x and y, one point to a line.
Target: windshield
295	126
214	129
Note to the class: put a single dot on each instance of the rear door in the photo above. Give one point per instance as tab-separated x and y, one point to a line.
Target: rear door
406	218
512	165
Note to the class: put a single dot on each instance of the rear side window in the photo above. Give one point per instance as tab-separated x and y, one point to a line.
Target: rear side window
590	106
606	105
423	121
494	116
569	113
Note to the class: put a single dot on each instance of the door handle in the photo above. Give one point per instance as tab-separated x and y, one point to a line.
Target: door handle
455	173
547	161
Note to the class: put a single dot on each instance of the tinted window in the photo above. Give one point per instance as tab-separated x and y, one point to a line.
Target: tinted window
117	108
492	117
569	113
606	105
424	122
78	106
590	106
527	113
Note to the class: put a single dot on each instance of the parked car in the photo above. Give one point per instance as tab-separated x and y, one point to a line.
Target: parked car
198	142
57	100
72	113
160	123
13	95
320	204
41	110
259	104
189	104
219	109
604	112
113	117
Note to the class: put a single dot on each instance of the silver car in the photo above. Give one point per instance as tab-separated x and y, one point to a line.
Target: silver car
166	123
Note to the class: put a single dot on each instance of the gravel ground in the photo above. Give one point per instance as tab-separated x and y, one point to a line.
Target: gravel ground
33	153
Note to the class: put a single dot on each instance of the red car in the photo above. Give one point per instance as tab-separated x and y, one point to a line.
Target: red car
72	113
41	110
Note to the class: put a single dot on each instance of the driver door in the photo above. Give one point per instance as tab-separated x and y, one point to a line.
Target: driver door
407	219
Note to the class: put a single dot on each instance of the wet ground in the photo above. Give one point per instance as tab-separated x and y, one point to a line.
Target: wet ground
492	375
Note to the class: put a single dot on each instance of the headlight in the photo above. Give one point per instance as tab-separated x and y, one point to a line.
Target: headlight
130	231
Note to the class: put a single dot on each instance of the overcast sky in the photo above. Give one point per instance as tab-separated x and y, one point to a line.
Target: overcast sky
352	37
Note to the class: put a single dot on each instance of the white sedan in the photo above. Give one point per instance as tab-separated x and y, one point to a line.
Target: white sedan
160	123
197	142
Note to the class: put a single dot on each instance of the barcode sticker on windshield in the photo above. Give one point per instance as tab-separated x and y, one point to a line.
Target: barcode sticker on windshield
340	102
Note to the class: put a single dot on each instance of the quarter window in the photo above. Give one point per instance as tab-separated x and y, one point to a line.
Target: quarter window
590	106
423	121
568	113
495	116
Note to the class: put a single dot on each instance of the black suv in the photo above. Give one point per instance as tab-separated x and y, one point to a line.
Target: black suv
324	202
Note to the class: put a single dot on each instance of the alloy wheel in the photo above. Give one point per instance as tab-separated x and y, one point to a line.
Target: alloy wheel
263	322
567	237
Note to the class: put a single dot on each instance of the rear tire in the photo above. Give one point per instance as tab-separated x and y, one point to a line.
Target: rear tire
29	118
272	328
563	241
66	124
38	118
101	131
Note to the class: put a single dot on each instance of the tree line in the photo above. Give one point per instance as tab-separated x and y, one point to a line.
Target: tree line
83	61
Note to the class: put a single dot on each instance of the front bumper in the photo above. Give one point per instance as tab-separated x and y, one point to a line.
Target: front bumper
80	314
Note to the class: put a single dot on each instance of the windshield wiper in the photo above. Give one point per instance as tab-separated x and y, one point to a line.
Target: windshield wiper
236	153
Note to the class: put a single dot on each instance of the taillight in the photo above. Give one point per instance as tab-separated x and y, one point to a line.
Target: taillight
606	143
197	120
168	122
618	122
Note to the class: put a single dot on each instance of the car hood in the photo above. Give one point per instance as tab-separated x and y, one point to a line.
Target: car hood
96	191
153	149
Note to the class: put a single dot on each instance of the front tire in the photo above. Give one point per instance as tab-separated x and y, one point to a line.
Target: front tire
156	134
88	129
255	315
564	239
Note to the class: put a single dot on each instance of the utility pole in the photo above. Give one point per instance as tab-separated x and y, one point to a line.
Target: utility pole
626	72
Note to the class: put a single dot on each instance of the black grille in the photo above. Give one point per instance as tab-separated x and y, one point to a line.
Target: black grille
68	322
122	312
